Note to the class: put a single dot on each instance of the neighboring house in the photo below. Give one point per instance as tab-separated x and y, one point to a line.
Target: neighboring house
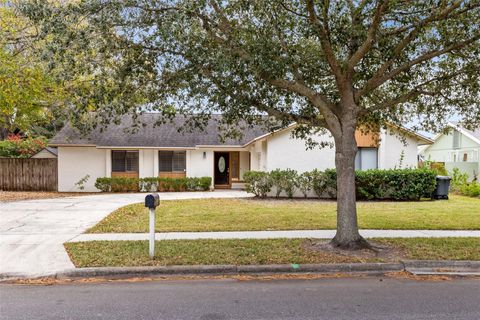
46	153
460	148
163	151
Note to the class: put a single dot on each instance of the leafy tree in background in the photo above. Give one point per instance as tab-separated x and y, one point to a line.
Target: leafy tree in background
14	146
30	97
327	65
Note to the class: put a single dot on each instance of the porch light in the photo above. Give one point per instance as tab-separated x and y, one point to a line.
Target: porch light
204	155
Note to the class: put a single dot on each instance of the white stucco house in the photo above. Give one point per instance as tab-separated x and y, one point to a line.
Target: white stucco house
162	151
460	148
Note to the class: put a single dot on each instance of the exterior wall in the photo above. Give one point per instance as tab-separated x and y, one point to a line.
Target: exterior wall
442	151
285	152
74	163
255	156
244	163
197	166
146	163
392	148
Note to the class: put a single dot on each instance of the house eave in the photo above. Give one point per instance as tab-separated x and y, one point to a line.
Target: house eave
464	132
70	145
144	147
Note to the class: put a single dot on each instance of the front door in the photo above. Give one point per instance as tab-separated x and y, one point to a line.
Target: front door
222	169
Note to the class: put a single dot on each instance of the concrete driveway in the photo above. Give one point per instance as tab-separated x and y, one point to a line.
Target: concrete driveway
32	232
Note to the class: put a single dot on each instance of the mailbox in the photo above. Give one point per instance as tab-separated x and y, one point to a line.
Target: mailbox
152	201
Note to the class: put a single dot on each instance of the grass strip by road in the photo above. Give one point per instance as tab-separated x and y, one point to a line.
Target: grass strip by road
458	213
254	251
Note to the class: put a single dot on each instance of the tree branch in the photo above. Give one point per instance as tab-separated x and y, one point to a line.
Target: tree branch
324	40
377	81
371	37
406	40
318	100
415	92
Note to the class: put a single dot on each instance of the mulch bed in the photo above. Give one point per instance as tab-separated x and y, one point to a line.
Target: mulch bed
381	251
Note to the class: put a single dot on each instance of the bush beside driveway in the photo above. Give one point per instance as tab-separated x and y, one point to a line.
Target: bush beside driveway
458	213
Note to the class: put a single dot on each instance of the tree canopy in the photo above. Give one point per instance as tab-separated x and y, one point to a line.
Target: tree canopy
30	97
405	60
331	65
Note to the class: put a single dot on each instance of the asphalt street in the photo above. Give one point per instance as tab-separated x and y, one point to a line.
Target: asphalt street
345	298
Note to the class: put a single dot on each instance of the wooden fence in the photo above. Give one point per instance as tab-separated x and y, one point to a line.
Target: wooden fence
28	174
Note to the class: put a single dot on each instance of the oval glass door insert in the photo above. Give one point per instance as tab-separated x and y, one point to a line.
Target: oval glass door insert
221	164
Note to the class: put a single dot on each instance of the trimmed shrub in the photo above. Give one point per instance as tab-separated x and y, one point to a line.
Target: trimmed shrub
275	178
289	182
104	184
284	180
125	184
203	183
470	189
258	183
151	184
117	184
398	184
324	183
305	183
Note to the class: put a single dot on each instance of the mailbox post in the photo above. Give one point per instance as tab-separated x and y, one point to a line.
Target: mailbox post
151	202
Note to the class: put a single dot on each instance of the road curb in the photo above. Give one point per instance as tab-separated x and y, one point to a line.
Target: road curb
415	267
448	268
350	268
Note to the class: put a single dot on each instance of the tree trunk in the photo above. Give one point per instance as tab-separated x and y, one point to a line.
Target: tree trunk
347	236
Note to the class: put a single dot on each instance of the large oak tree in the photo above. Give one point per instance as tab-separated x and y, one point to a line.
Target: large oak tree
334	65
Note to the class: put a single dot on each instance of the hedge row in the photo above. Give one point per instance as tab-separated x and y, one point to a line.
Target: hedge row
152	184
398	184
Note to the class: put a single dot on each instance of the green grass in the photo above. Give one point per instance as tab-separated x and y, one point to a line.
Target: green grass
244	252
437	248
250	214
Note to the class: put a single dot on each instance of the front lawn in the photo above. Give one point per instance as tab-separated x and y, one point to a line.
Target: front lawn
269	251
458	213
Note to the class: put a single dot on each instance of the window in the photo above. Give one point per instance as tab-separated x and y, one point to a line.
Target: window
124	161
235	170
172	161
367	158
457	139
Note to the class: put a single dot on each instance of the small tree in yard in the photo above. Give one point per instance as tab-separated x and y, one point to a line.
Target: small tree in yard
327	65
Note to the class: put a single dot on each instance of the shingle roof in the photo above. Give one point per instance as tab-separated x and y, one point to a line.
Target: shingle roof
475	133
161	136
53	151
